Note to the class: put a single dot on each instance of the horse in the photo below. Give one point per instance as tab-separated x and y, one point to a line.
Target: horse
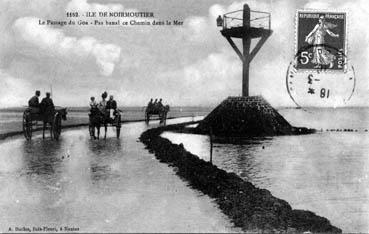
105	121
52	117
96	120
163	113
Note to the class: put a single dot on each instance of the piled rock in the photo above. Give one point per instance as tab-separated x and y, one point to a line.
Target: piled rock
247	116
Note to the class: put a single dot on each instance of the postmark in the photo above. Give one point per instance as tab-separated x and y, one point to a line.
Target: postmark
317	32
320	86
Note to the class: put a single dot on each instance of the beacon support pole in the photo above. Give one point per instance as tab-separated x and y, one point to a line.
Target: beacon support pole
246	43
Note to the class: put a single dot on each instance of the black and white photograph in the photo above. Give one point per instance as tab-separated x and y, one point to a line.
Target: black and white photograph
184	116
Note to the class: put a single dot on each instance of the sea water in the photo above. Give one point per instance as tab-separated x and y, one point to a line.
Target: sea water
326	172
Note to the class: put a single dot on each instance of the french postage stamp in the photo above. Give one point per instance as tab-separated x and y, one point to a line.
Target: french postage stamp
321	40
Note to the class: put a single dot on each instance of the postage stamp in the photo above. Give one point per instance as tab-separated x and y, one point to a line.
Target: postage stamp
321	40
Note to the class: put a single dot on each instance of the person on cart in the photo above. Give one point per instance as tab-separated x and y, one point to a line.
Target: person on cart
94	110
102	105
47	103
150	105
160	104
111	107
155	104
93	103
47	107
34	103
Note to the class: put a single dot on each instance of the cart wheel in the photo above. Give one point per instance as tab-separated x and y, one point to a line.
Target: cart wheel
57	126
27	125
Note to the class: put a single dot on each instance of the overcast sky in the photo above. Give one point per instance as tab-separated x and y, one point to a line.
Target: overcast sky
185	65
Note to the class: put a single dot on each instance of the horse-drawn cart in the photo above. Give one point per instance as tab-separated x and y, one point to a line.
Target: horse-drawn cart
32	117
98	118
160	111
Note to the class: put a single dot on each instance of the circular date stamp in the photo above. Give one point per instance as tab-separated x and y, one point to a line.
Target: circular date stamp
320	86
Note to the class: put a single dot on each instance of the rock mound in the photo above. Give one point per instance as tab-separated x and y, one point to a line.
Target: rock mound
247	116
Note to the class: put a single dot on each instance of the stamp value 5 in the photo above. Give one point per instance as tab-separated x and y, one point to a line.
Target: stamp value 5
321	40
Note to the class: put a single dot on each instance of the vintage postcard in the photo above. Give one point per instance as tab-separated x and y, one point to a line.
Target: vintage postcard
184	116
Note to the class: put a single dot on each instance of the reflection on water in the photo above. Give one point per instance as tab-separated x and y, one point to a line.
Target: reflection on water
111	185
327	173
103	155
41	157
73	181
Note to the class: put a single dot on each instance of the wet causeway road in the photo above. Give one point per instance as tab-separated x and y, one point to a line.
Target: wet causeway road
111	185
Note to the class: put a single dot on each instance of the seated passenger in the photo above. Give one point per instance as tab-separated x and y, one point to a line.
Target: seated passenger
93	103
102	104
93	106
47	105
111	106
150	104
155	104
160	104
34	102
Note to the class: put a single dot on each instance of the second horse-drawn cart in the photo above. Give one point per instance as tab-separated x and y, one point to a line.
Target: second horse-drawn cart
98	118
160	111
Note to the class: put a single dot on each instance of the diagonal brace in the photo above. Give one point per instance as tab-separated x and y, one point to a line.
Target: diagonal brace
258	46
234	46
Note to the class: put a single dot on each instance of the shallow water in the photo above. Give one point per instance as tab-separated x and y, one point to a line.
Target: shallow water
326	172
11	120
111	185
